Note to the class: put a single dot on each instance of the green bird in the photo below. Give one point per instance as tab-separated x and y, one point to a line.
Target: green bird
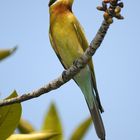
69	43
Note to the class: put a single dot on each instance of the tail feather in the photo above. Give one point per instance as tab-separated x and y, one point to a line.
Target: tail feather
98	100
97	120
83	79
96	90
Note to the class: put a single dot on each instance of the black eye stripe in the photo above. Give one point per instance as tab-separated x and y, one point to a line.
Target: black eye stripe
51	2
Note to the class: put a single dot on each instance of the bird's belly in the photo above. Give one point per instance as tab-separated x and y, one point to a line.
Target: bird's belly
68	45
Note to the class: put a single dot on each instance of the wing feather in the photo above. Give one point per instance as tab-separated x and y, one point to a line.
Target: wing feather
84	43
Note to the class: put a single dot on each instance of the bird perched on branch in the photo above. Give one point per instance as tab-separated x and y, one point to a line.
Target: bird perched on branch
69	43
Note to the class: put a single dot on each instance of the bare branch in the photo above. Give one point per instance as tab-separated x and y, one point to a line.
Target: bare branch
67	74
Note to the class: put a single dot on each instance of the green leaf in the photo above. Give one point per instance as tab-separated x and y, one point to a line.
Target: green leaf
25	127
6	52
81	130
9	118
52	122
34	136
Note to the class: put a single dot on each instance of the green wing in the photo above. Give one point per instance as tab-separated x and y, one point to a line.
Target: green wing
84	44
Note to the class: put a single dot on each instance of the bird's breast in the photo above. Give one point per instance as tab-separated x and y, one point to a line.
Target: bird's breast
65	38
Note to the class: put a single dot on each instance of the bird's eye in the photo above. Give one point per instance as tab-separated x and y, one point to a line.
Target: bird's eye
51	2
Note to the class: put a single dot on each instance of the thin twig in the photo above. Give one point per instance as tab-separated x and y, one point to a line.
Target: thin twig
67	74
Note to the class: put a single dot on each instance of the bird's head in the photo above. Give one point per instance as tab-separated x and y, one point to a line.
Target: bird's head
54	2
51	2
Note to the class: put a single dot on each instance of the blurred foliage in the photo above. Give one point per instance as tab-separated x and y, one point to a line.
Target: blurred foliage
9	115
9	118
81	130
4	53
34	136
53	123
25	127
